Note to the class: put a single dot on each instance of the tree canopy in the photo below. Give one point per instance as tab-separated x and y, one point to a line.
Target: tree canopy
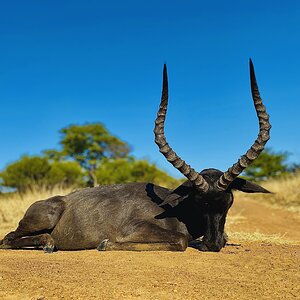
88	144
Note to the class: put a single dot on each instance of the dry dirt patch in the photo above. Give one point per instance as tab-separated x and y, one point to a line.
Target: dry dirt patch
252	271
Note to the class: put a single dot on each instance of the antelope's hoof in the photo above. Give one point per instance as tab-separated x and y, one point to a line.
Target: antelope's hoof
102	246
48	248
196	243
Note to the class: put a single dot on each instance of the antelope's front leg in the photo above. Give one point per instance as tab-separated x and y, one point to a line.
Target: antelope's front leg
42	240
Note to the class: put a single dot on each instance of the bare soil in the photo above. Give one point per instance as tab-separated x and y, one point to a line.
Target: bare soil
254	270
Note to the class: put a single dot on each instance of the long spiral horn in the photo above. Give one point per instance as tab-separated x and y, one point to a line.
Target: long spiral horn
259	144
164	147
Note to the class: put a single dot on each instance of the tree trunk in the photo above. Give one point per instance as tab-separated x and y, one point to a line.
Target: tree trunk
93	179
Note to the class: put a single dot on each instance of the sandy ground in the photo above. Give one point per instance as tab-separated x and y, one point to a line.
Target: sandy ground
254	270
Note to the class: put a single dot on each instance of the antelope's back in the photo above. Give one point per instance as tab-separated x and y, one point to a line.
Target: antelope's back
110	211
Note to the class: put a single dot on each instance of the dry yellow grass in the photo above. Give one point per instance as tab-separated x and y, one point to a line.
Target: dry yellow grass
285	193
12	208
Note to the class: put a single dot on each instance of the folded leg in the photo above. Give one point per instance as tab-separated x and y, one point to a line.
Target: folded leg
147	237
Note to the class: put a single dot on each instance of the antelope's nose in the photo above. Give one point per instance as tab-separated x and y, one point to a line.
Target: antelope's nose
213	247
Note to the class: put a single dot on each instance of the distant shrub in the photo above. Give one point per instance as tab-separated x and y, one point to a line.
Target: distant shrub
268	165
65	173
31	172
131	170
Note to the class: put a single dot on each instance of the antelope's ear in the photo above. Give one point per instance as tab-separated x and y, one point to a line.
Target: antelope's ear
247	186
183	191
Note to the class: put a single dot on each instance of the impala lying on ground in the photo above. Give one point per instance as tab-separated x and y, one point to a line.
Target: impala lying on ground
143	216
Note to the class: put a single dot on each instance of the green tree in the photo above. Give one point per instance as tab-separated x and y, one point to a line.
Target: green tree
88	144
65	173
25	173
131	170
54	155
269	164
33	172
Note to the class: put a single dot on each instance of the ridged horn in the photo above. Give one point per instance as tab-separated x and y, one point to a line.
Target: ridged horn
259	144
164	147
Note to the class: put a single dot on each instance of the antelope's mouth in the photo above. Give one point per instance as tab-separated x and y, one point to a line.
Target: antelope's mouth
213	247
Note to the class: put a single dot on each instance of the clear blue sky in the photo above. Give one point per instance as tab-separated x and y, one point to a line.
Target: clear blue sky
64	62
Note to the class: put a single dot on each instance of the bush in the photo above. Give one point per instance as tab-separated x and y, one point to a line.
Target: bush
131	170
31	172
65	173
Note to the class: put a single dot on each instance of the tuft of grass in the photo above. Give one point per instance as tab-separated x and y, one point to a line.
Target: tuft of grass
256	236
277	239
13	207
